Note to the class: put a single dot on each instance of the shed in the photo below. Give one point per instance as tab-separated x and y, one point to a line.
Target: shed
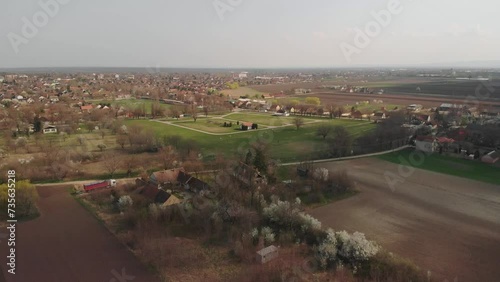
491	158
267	254
172	200
426	144
49	129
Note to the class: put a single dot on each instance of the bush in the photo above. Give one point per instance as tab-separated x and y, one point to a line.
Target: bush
283	216
326	252
124	202
355	248
26	196
340	182
268	235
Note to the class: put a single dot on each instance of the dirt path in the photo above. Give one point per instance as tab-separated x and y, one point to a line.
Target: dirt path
445	224
67	244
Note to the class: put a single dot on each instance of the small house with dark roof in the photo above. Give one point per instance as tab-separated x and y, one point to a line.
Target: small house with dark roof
159	196
191	183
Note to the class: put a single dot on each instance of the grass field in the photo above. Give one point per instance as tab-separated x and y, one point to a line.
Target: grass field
265	119
450	165
286	143
209	125
242	91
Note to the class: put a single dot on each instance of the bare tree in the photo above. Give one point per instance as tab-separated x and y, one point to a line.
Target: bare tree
121	140
111	162
341	142
194	112
323	130
168	156
130	163
298	122
175	112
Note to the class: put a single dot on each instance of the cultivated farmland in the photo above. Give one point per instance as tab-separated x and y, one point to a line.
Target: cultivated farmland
445	224
66	243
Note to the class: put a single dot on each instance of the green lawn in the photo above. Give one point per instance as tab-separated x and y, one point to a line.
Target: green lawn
451	165
210	125
265	119
286	144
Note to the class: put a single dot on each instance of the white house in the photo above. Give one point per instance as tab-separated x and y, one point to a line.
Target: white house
426	144
49	129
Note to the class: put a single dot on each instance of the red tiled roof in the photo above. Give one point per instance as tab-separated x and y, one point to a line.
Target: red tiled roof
445	140
86	108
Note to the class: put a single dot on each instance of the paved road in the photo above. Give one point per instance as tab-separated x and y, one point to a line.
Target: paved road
445	224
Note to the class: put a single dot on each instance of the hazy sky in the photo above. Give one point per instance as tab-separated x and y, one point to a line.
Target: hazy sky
247	33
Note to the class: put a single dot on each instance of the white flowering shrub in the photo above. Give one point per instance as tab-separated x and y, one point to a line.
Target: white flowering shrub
326	252
280	213
298	201
284	216
124	202
254	233
308	222
355	248
268	235
320	174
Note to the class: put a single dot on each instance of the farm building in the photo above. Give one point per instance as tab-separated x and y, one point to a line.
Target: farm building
426	144
159	196
491	158
165	176
357	115
49	129
191	183
430	144
379	116
248	125
267	254
414	107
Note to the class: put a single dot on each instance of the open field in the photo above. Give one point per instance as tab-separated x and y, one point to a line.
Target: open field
449	165
286	143
446	87
265	119
67	244
451	88
444	224
314	86
332	97
242	91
